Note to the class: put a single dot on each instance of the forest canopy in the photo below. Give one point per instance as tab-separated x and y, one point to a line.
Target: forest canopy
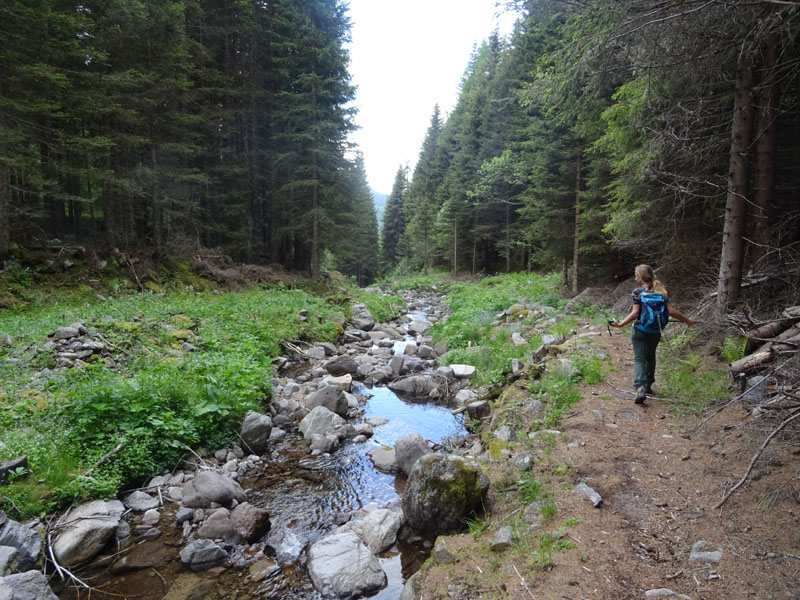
596	135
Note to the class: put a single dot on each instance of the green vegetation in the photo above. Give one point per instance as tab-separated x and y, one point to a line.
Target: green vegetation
690	381
158	397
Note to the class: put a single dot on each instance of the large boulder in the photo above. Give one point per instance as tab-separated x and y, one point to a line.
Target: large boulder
361	317
85	530
341	565
320	421
210	486
330	397
31	585
378	529
408	449
442	491
27	542
417	385
256	428
341	365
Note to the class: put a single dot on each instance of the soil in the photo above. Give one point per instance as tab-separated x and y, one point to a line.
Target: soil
659	476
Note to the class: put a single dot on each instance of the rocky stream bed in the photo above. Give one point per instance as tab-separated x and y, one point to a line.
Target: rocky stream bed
317	500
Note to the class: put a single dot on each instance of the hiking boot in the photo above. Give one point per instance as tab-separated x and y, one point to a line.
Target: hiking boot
641	393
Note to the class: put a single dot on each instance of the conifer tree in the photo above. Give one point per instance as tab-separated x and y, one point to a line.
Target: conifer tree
393	220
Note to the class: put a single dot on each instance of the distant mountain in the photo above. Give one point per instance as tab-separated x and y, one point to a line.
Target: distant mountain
380	203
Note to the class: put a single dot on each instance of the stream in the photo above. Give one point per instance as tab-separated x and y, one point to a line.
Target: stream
307	496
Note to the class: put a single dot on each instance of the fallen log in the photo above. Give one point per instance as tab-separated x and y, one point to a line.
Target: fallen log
751	361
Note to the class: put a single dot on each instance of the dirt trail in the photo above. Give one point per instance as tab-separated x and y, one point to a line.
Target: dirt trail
659	485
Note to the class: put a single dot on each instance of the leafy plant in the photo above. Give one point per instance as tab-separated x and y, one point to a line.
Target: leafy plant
733	348
530	490
475	525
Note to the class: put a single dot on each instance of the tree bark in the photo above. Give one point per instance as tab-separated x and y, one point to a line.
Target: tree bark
575	242
4	193
766	149
732	255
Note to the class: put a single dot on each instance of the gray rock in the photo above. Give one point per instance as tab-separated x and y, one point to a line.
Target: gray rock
518	340
330	565
441	553
446	372
523	461
665	593
341	365
31	585
320	421
290	389
65	333
698	553
533	516
441	491
219	526
417	385
361	317
202	555
408	449
27	542
255	432
9	466
140	501
463	371
584	489
316	352
419	326
378	530
8	560
384	459
396	365
464	397
184	514
409	592
323	443
502	539
251	521
329	397
210	486
504	434
343	382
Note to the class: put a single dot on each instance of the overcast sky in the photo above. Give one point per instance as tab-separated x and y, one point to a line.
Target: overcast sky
406	56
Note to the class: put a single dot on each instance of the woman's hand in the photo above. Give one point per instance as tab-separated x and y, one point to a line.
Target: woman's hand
615	323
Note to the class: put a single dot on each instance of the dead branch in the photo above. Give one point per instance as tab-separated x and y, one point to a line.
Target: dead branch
103	460
786	421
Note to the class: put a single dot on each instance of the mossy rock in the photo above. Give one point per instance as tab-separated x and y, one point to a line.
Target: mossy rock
153	287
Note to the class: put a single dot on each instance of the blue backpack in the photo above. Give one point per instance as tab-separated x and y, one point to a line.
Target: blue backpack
653	316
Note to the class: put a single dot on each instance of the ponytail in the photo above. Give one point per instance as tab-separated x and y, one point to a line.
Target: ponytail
645	273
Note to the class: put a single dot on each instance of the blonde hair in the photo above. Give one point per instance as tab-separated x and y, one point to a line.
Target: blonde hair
645	273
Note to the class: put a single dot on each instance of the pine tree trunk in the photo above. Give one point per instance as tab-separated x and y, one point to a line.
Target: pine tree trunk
4	192
455	243
575	242
766	150
732	255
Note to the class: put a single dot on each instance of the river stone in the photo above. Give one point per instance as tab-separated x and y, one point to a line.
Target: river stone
330	397
262	569
202	555
251	521
446	373
330	564
210	486
699	554
8	560
379	528
523	461
383	457
464	397
219	526
343	382
256	428
27	542
189	586
408	449
86	529
416	384
341	365
361	318
142	556
441	553
441	491
419	326
584	489
463	371
31	585
665	593
140	501
320	421
396	364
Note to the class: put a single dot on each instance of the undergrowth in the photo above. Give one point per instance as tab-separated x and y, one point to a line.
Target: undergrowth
158	398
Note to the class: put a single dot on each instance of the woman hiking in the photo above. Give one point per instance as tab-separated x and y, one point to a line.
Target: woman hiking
651	310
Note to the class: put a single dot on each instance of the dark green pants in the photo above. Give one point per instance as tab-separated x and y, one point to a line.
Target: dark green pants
644	357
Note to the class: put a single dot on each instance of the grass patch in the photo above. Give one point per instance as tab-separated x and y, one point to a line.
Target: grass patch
689	380
156	398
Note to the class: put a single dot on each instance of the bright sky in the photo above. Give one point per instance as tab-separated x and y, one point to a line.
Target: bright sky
406	56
